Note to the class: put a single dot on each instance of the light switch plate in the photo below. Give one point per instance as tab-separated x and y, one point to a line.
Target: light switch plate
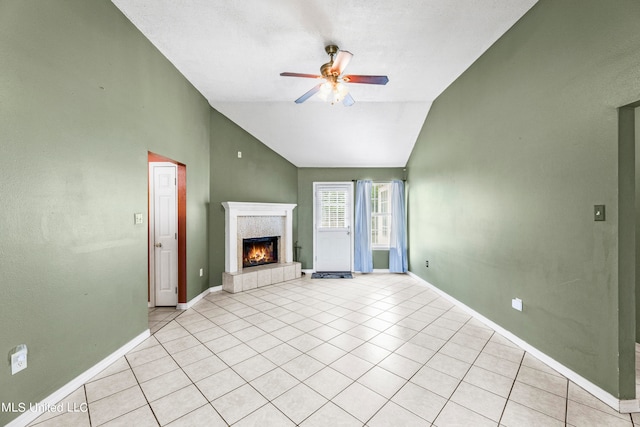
598	213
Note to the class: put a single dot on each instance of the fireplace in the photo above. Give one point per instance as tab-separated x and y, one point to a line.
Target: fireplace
259	251
248	220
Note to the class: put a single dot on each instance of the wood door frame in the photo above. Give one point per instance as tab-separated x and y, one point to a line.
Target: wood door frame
351	196
182	229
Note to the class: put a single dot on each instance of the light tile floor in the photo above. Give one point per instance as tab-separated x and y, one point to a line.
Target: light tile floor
377	350
159	317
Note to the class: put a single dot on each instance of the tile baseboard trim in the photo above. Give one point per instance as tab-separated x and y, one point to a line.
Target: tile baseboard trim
197	298
622	406
54	398
381	270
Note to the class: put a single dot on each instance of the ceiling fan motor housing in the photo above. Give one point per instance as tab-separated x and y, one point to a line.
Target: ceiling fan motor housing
331	50
326	72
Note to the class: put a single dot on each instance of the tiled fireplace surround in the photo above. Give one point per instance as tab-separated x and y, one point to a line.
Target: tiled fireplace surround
244	220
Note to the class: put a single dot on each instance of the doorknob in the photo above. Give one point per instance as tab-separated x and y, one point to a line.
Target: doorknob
158	245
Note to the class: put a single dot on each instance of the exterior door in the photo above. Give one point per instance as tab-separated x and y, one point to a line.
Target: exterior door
165	234
333	213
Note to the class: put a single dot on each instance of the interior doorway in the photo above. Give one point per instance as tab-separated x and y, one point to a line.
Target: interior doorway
636	123
628	254
163	214
166	285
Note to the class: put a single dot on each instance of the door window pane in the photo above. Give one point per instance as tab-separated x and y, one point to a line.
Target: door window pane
333	212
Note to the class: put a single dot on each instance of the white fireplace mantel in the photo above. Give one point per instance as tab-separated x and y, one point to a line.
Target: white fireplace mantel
233	210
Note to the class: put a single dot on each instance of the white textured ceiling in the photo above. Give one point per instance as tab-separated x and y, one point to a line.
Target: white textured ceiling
233	51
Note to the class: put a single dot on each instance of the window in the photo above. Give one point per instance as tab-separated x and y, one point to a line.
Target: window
333	212
380	215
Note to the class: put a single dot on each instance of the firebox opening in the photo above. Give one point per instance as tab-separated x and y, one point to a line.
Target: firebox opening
259	251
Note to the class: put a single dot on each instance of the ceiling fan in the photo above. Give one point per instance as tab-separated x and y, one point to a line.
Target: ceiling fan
333	88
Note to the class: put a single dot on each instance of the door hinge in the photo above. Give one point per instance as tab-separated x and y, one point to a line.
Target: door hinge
176	290
175	181
176	236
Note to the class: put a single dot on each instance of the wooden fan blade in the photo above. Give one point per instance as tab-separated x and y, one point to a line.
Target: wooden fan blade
348	100
309	76
341	62
370	80
309	94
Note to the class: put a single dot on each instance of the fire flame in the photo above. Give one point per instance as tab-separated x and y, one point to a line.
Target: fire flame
259	254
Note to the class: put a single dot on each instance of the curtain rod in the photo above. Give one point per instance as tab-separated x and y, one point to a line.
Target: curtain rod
356	180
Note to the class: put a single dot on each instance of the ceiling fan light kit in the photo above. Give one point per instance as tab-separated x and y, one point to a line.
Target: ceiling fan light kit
333	89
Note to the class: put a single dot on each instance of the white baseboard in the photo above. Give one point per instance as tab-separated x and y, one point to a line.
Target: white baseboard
375	270
53	399
629	406
188	305
622	406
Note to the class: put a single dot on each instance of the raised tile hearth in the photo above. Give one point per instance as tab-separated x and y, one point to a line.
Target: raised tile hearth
256	277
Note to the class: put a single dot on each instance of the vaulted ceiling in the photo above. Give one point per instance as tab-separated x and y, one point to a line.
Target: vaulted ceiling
233	52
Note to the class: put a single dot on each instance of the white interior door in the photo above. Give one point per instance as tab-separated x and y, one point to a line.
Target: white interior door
165	234
333	213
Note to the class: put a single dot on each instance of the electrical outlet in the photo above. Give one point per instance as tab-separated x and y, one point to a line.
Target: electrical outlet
516	304
426	263
19	359
239	154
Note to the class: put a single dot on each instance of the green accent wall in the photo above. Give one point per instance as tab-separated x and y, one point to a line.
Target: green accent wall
84	97
504	176
306	178
261	175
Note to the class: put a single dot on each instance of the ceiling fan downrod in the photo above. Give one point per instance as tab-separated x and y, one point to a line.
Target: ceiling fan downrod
325	69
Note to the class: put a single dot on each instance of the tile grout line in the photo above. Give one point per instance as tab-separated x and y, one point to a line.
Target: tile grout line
86	398
512	386
141	391
465	374
566	406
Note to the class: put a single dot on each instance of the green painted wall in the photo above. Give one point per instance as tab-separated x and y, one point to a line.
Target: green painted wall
84	96
504	176
306	178
261	175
